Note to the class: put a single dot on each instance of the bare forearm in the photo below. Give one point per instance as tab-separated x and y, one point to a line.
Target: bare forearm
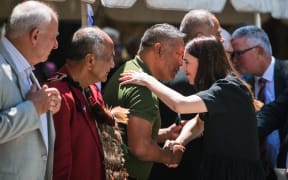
170	97
190	131
173	99
150	151
163	135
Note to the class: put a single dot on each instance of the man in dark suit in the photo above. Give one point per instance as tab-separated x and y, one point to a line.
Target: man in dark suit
268	76
275	116
253	55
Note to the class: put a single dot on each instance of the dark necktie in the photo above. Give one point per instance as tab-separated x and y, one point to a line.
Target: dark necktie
261	93
263	144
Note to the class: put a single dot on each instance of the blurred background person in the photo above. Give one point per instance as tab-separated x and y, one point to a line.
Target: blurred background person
45	70
120	55
274	116
252	55
227	42
132	45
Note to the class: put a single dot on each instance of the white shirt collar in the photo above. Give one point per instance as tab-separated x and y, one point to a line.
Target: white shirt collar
269	73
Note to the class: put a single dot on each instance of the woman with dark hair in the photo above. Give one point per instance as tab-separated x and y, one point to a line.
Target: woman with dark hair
223	102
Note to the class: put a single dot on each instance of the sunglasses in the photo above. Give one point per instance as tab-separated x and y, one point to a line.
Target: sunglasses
236	54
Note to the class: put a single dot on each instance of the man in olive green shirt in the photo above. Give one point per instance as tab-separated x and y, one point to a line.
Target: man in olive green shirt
160	54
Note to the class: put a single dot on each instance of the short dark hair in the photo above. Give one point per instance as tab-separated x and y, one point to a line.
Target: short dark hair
86	40
160	33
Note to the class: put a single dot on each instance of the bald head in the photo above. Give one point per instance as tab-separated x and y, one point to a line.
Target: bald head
199	22
29	15
89	40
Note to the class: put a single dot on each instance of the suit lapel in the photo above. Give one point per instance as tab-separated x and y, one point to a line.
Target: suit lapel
251	81
51	140
48	115
279	77
276	77
51	130
20	80
22	85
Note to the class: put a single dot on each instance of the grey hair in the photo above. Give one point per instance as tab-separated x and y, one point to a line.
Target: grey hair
194	21
160	33
87	40
27	16
254	34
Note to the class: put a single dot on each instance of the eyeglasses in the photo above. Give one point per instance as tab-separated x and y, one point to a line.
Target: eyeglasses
236	54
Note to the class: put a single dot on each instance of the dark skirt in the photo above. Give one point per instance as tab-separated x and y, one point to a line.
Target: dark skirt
231	169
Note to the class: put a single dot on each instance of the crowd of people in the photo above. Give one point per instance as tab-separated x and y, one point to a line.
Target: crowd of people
192	103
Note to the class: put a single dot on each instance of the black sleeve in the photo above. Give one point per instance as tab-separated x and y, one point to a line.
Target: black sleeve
223	95
273	116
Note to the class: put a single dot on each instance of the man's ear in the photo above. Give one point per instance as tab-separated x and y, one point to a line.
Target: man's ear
34	35
89	60
260	50
157	48
89	57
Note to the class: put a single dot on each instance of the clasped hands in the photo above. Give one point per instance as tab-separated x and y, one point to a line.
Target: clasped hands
45	99
177	150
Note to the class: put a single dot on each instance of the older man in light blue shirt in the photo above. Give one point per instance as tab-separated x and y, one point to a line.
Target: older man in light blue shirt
27	132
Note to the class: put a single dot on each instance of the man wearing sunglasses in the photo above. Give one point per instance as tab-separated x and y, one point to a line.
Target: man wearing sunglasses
268	78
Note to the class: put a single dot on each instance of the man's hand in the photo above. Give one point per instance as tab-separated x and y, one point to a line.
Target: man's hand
54	98
174	130
177	151
44	99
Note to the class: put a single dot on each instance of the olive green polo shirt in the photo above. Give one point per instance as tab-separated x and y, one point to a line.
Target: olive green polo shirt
142	103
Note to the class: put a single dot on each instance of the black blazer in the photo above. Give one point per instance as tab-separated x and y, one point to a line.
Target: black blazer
280	77
275	116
